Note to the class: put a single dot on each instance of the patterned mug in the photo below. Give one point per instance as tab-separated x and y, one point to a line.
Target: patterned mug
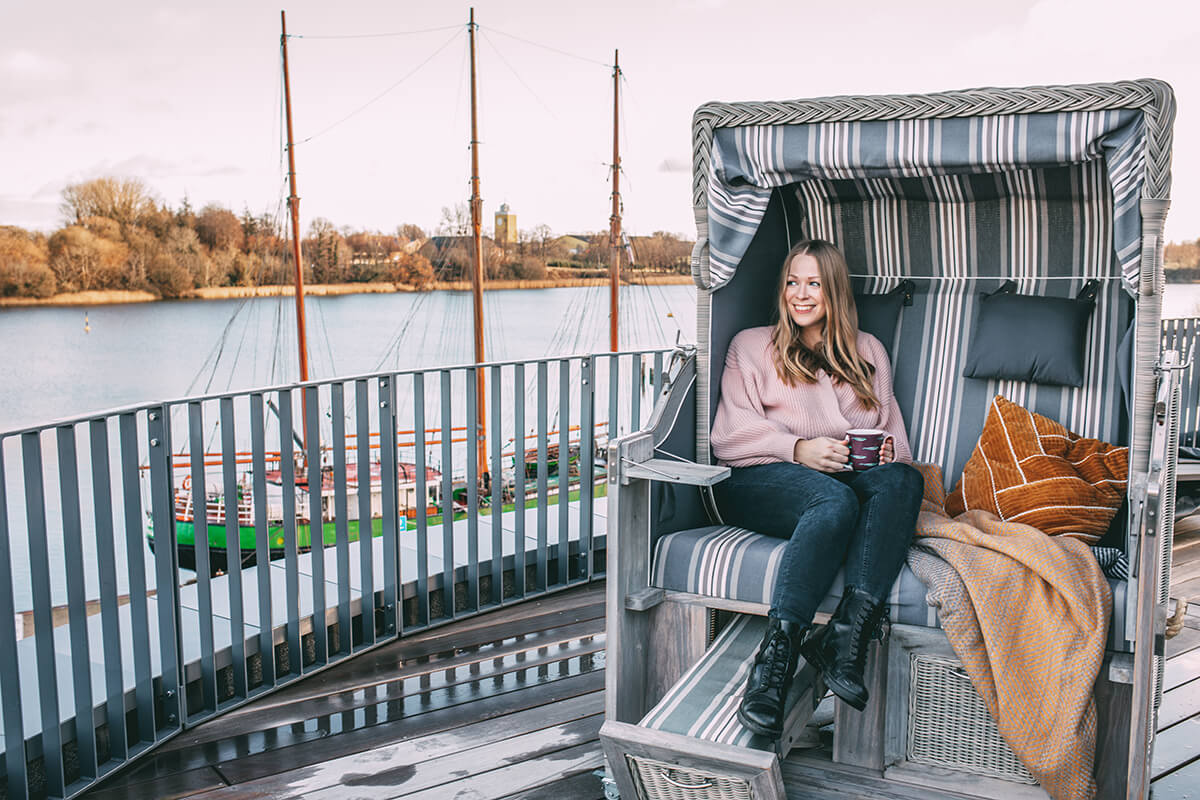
865	444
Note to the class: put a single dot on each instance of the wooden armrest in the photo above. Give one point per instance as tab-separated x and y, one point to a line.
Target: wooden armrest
672	471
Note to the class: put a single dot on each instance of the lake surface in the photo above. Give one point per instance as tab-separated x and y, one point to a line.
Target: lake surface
61	362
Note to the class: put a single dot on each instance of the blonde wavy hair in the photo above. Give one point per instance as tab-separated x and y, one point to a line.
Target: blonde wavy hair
837	352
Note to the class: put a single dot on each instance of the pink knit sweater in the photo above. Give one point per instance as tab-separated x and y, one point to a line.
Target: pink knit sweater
760	418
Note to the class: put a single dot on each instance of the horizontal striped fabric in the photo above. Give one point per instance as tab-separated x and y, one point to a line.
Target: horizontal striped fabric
748	162
737	564
703	703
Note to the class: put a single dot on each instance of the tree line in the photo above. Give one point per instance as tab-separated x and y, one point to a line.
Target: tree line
1182	262
117	236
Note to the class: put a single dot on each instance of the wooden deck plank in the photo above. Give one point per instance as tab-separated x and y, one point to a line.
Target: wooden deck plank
1179	704
172	785
1176	746
268	763
449	771
1188	639
400	756
434	682
1181	669
518	778
1183	784
584	785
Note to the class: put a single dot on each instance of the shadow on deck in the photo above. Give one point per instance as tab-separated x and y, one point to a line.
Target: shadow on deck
509	705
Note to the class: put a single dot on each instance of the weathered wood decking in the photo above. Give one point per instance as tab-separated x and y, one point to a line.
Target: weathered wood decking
508	705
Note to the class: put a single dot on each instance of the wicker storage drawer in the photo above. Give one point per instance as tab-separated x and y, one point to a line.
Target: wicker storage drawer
662	781
949	726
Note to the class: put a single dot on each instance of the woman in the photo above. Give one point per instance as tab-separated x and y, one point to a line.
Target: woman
789	393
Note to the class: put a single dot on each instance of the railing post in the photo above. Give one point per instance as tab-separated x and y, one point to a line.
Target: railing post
389	476
10	667
587	448
166	562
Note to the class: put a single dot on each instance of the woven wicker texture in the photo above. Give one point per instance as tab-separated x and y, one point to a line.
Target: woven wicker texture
1152	96
657	780
949	726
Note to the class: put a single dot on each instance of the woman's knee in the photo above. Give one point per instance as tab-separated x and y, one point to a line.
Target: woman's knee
895	479
837	504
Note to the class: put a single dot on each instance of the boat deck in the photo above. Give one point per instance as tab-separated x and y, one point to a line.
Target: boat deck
509	705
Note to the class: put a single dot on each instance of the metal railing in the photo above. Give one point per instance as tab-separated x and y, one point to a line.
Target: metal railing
1183	336
363	514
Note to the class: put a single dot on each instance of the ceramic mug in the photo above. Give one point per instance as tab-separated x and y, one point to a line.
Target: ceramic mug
865	444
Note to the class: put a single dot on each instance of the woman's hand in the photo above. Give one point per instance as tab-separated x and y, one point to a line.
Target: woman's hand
822	454
887	451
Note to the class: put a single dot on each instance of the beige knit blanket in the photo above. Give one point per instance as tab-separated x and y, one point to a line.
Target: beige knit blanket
1027	614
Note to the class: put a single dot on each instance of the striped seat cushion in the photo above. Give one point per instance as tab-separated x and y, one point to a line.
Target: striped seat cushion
703	703
733	563
737	564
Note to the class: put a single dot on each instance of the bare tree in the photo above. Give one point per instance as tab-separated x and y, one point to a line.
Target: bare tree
219	228
124	200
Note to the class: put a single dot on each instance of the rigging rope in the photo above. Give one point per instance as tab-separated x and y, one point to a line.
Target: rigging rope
517	75
547	47
384	93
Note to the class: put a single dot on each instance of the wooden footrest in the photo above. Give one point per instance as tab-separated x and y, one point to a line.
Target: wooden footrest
691	744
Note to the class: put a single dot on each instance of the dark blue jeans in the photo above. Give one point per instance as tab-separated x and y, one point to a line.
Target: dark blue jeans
862	520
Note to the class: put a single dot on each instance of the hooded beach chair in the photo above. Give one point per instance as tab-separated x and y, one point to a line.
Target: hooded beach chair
1045	192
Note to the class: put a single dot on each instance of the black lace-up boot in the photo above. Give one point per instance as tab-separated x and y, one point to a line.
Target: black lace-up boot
770	678
839	650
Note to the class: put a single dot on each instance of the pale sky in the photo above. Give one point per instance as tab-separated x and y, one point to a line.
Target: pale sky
187	96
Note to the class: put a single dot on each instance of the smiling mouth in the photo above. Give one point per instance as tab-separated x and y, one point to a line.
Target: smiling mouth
803	309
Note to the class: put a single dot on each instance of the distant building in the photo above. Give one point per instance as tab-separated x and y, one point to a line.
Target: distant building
506	226
572	244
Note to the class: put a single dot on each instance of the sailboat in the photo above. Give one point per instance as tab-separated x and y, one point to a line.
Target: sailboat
315	496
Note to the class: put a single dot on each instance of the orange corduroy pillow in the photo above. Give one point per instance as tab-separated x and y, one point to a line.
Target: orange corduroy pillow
1030	469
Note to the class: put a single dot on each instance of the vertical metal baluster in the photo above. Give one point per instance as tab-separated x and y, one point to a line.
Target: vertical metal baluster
106	568
564	470
139	613
518	481
447	501
316	523
472	438
81	662
43	622
362	466
587	467
389	475
10	665
262	539
422	499
233	547
543	475
291	558
635	397
166	570
614	404
497	500
337	407
658	376
208	663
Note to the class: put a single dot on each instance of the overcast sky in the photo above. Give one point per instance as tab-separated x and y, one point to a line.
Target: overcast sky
187	97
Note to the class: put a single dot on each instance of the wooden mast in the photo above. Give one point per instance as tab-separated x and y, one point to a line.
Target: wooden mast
477	271
614	267
294	206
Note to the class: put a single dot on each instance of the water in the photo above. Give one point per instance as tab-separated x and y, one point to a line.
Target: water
52	368
1181	300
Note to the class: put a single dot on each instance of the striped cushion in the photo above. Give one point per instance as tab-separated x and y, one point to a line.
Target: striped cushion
738	564
703	703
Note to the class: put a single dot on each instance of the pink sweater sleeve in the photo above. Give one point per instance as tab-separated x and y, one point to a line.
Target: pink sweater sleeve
891	420
741	433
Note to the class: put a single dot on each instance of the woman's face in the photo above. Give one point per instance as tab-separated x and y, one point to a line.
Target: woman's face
803	296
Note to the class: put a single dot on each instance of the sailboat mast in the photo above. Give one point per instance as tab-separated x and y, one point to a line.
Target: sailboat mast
294	206
477	271
614	267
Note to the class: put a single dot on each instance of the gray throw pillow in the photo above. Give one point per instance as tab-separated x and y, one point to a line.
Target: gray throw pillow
1031	338
878	314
